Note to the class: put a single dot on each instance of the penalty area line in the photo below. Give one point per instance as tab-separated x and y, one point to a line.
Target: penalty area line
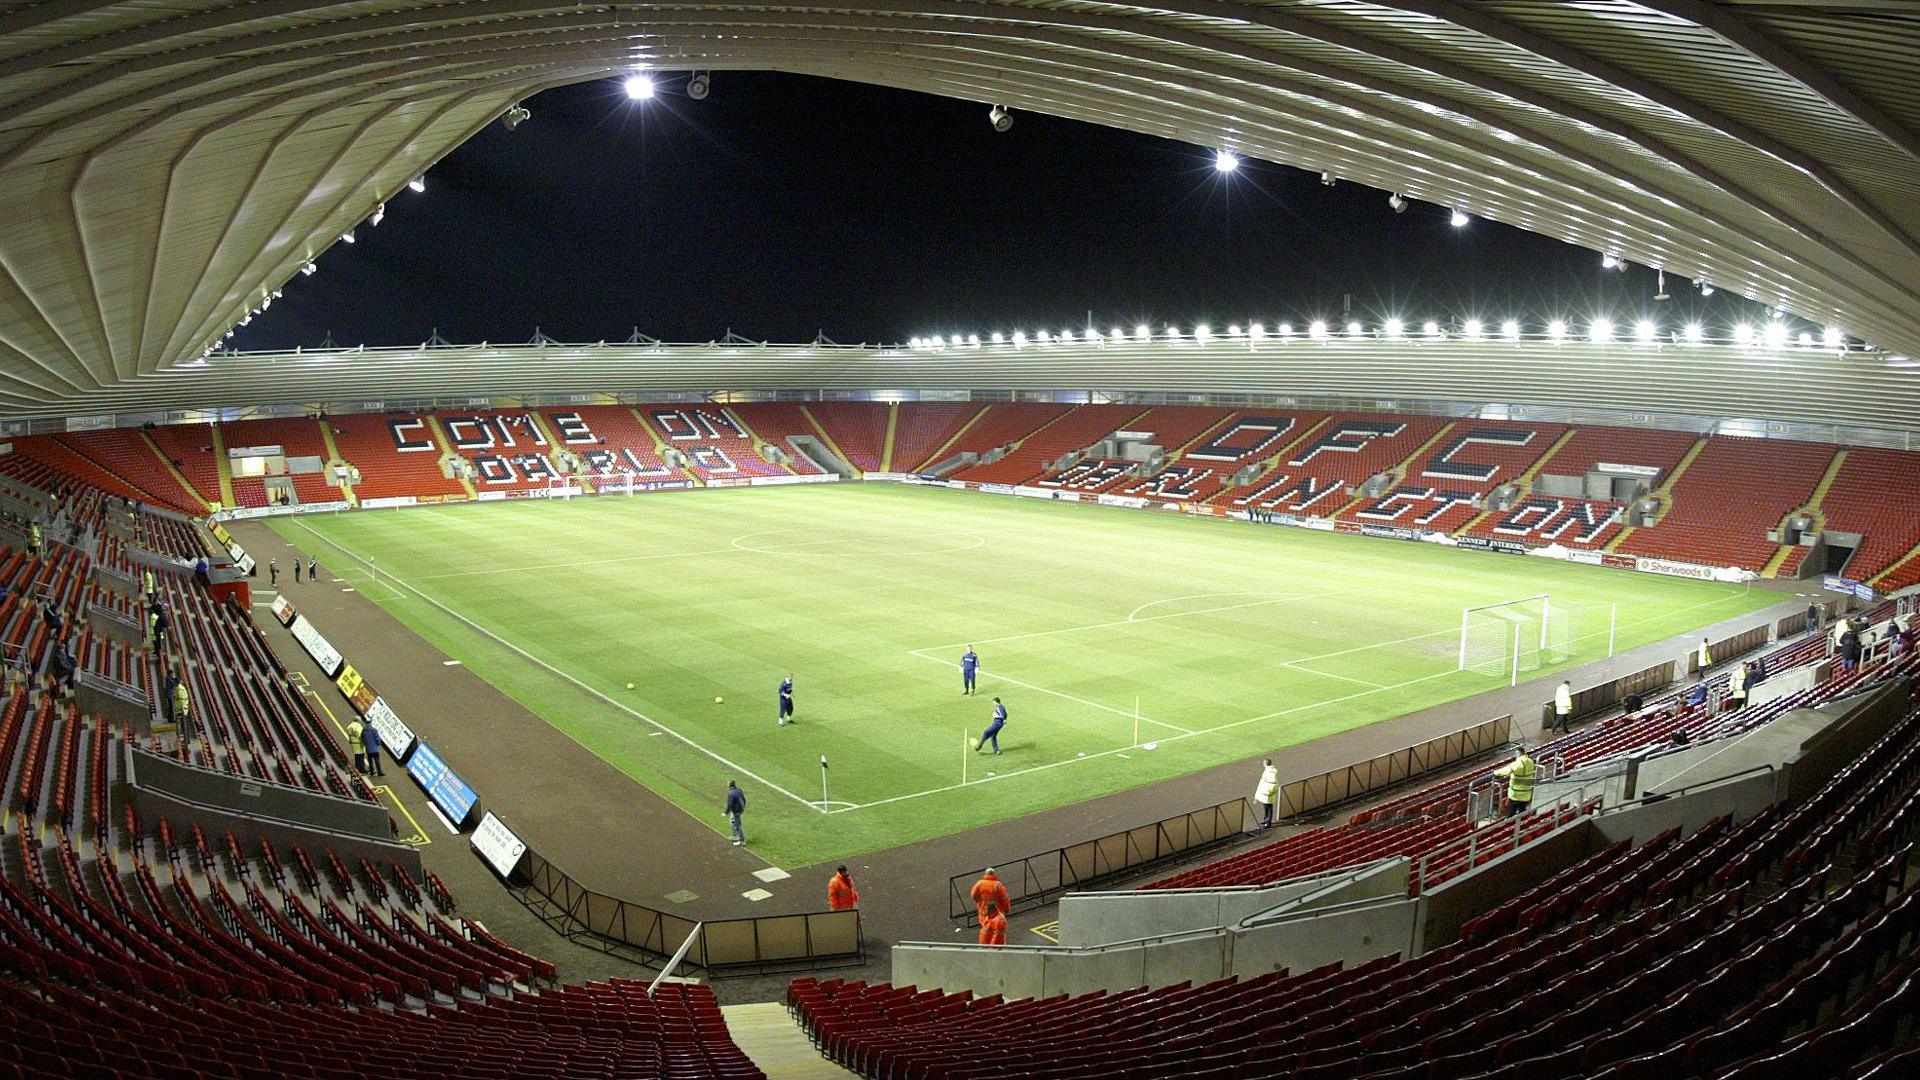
1056	693
811	804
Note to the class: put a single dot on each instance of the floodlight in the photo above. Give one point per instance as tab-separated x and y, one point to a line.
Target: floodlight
639	87
1354	329
1202	333
1706	288
1286	329
1256	331
1645	330
347	236
417	184
1473	329
1143	332
999	338
1557	330
1431	329
1806	339
1743	334
1395	328
699	85
1831	337
1600	330
1019	337
515	116
1327	178
1398	202
309	268
1609	260
1693	333
1116	335
1318	330
379	211
973	340
1458	219
1776	334
1510	330
999	118
1225	160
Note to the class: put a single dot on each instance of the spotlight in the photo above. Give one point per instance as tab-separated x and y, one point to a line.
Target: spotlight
1743	334
1143	332
1473	329
1432	329
1557	330
1706	287
379	212
1225	160
1000	118
1776	334
638	87
1116	335
1398	202
1286	329
1233	331
1645	330
1458	219
1601	330
999	338
1019	337
1173	333
1202	333
1806	340
1065	337
515	116
1318	330
1394	328
310	268
1327	179
1609	260
699	86
417	184
1831	337
1354	329
347	236
1510	330
1256	331
973	340
1693	333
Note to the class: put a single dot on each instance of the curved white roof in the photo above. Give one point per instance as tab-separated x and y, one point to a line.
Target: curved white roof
165	167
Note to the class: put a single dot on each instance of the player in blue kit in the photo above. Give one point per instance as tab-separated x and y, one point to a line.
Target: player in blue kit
992	734
786	700
969	666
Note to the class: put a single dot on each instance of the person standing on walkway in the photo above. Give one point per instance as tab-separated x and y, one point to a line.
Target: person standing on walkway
182	707
990	895
1563	706
1737	687
992	734
993	928
1519	776
736	806
1813	617
969	667
840	892
354	728
370	740
296	569
313	569
1266	790
273	573
1849	649
1705	656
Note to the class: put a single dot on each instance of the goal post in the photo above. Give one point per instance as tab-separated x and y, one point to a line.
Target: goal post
1508	637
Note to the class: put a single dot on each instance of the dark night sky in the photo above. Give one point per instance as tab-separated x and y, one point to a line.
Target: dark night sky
785	205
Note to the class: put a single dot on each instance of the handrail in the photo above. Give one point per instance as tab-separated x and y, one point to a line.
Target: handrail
678	955
1349	782
1564	810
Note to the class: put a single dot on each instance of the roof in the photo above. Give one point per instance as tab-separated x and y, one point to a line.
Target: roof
166	166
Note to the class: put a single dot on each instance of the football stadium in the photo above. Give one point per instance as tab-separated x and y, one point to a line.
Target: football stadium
1507	673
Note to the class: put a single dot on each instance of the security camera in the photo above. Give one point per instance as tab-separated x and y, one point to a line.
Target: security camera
699	86
1000	118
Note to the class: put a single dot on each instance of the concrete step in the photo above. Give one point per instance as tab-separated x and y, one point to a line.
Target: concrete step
773	1039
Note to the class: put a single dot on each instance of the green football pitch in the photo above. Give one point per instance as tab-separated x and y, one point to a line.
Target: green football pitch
1218	639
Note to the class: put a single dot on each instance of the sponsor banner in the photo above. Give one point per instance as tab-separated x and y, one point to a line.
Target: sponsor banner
317	647
357	692
1070	496
1674	569
1197	508
221	534
1618	562
245	563
283	610
889	477
448	792
395	500
1391	532
1647	471
245	513
1836	583
1133	502
1034	492
997	489
395	735
253	451
778	481
1482	543
957	485
1587	555
497	844
1320	523
489	496
729	481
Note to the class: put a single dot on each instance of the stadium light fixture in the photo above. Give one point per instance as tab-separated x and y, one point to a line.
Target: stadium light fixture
1203	333
1143	332
1510	330
1831	337
1066	337
1286	330
1806	340
1117	335
1256	332
1354	329
1743	334
1233	330
1694	333
1318	330
1706	288
1432	330
379	212
310	269
1019	337
973	340
417	185
515	116
347	236
1173	332
699	85
1776	334
1458	219
1645	330
1609	260
638	87
999	338
1395	328
1474	329
1600	330
1225	161
1398	202
1557	330
999	119
1327	179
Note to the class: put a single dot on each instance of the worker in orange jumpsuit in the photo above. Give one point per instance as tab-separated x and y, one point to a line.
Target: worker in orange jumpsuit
840	894
993	928
988	893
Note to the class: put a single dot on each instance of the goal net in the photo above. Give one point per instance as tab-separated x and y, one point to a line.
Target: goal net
1511	637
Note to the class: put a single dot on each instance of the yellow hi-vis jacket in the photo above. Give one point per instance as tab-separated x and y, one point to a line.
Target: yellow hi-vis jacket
1563	700
1519	776
1705	656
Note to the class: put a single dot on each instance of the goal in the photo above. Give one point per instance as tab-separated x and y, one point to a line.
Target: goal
1511	637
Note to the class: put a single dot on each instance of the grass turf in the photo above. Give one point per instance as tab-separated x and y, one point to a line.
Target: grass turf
1232	640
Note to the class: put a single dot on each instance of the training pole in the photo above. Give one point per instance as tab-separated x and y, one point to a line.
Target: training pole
823	783
966	752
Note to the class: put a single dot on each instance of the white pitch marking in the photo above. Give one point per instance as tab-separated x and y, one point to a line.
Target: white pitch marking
450	663
585	688
1056	693
583	562
1328	674
1130	619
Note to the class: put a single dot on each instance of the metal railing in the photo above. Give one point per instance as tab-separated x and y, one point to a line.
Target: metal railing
721	947
1034	880
1349	782
1486	842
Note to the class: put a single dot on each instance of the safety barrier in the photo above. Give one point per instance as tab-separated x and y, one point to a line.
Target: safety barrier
722	947
1350	782
1036	879
1606	695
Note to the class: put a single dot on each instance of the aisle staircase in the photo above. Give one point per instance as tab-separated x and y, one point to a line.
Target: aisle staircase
940	454
660	446
886	449
1268	465
337	466
769	1035
223	467
1400	471
451	464
753	437
192	493
826	439
1665	492
1523	484
1812	510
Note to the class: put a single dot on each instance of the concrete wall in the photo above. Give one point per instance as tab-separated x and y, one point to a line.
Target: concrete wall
248	797
1445	907
248	830
1102	918
1741	797
1856	723
1355	931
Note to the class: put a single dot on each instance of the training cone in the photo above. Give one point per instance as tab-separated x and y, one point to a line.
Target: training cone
718	700
629	686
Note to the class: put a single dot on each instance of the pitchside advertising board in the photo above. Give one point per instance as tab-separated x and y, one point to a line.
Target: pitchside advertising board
1836	583
323	653
448	792
395	736
498	845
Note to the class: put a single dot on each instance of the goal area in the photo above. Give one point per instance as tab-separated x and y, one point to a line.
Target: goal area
1522	635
